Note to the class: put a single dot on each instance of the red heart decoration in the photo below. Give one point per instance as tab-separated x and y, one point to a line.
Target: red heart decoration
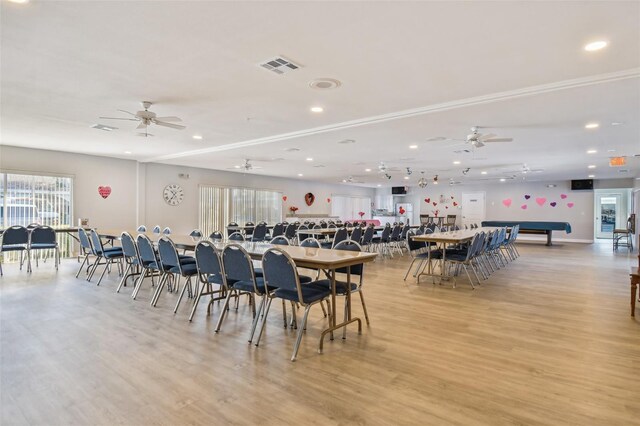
523	207
455	204
309	198
104	191
434	204
563	196
284	198
328	200
452	197
427	200
446	207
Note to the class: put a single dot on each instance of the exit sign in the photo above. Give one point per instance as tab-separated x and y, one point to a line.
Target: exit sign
617	161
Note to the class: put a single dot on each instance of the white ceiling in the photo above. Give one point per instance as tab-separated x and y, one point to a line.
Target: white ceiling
409	71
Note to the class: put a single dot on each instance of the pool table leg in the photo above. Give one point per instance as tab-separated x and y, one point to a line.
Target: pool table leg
549	237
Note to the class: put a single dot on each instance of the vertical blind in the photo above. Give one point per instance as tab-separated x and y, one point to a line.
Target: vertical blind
348	207
46	200
218	206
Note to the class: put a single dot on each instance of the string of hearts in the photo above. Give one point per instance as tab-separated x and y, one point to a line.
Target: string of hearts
541	201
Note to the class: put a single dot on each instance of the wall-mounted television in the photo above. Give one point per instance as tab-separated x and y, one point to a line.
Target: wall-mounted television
581	184
398	190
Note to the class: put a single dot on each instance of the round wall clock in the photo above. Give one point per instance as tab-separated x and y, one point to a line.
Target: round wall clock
173	194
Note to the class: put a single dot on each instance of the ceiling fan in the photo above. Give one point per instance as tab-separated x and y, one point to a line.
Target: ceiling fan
247	166
146	118
523	169
351	179
475	139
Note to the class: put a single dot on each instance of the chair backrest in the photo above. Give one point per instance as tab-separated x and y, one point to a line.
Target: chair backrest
129	246
405	229
96	242
208	259
413	244
395	233
341	235
302	236
231	231
249	227
280	240
385	233
196	233
237	265
356	234
166	231
310	242
43	235
351	246
280	271
278	229
290	232
141	228
236	236
216	235
168	253
156	229
260	232
84	241
15	235
146	251
367	237
325	225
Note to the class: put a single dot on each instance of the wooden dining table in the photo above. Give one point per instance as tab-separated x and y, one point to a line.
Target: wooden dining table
304	257
443	239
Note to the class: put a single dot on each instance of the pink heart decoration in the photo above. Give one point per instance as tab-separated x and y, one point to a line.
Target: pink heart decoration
523	207
104	191
446	207
507	202
434	204
427	200
553	204
455	204
284	198
563	196
541	201
328	200
526	197
570	205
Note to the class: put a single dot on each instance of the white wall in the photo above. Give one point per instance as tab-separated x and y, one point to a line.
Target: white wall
136	196
580	216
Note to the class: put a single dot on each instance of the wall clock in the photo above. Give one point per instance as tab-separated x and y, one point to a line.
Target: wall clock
173	194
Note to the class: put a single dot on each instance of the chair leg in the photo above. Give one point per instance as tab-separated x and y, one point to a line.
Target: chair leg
138	283
223	311
85	260
265	312
364	307
195	303
284	313
156	294
124	277
300	331
184	287
106	267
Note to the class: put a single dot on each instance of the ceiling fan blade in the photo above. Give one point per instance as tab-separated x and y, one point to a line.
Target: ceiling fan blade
170	118
478	144
142	125
173	126
117	118
127	112
487	136
498	140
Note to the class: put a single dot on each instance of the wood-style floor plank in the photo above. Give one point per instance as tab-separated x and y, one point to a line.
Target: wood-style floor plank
546	340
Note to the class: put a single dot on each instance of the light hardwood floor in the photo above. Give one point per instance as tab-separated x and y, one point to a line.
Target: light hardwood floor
547	340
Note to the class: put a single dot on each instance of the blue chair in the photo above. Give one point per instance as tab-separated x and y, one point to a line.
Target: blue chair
236	236
131	258
15	238
196	233
341	235
249	228
304	236
417	251
281	241
216	236
290	231
142	228
281	274
232	225
278	230
310	242
259	233
210	273
356	234
174	266
109	256
166	231
367	237
157	229
149	263
44	238
241	279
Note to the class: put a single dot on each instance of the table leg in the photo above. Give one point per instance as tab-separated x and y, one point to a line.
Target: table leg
633	298
549	237
333	323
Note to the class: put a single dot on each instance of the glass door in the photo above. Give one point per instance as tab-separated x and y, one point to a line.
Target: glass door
608	211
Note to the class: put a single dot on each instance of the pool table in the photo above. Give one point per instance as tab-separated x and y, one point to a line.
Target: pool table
533	227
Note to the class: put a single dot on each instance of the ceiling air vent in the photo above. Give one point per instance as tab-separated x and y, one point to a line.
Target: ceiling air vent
103	127
623	171
279	65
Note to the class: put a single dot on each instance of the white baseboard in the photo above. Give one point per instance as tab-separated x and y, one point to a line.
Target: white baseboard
543	239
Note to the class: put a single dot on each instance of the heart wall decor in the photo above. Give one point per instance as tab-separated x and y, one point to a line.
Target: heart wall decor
427	200
570	205
104	191
553	204
284	198
563	196
309	198
541	201
328	200
526	197
507	202
523	207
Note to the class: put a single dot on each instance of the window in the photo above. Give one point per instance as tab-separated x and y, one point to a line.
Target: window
347	207
219	206
47	200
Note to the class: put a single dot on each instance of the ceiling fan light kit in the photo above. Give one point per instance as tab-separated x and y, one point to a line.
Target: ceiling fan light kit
147	118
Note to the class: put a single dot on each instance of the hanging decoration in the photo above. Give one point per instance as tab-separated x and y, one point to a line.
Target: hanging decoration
309	198
284	198
328	200
293	209
104	191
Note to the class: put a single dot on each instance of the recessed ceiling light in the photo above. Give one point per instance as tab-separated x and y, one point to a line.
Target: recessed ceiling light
616	123
127	152
591	126
611	150
592	151
483	172
413	146
367	170
236	167
502	179
292	149
19	1
379	184
596	45
591	176
592	166
300	174
456	162
317	109
346	141
406	178
197	137
309	159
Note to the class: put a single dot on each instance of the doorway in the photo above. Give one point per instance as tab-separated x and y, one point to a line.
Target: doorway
611	211
473	208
